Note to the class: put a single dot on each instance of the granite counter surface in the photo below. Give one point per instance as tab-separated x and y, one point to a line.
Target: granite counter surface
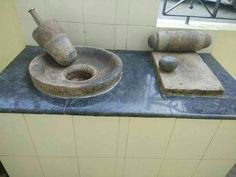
137	94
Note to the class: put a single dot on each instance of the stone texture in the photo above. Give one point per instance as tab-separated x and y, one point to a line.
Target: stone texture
179	41
53	39
137	94
95	71
192	76
168	63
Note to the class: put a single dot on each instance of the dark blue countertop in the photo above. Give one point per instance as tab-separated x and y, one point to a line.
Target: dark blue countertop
136	95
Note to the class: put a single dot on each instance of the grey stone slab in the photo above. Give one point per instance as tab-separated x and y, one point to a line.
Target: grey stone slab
137	94
192	76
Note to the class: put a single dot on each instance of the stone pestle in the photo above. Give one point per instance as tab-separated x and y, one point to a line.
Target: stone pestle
53	39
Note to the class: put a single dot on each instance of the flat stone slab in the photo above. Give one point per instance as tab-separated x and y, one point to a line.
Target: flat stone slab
136	95
192	76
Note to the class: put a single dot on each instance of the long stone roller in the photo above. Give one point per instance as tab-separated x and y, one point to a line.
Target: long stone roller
179	41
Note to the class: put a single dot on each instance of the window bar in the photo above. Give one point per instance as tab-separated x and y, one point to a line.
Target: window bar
212	14
174	6
164	8
191	4
216	8
187	20
204	5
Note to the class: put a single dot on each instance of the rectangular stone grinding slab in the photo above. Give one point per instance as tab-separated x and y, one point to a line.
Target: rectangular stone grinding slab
192	76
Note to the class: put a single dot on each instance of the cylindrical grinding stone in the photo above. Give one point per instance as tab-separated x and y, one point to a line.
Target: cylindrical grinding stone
179	41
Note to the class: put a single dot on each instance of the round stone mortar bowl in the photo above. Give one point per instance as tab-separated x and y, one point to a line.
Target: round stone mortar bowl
94	72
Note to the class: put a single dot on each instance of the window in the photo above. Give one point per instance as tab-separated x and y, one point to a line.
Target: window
202	10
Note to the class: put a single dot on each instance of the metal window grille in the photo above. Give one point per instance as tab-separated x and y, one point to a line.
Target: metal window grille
212	13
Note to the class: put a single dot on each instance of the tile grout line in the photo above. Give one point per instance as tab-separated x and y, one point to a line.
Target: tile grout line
76	146
127	25
94	23
216	130
49	7
115	24
200	160
36	152
126	148
95	157
117	146
195	169
83	21
83	26
169	140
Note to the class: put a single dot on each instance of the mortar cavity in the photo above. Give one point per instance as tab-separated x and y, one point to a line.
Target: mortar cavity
80	73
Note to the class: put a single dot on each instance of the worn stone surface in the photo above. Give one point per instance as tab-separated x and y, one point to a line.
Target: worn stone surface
53	39
192	76
95	71
137	94
153	40
179	41
168	63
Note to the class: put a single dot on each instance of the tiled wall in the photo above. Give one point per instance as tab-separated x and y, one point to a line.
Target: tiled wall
11	38
112	24
61	145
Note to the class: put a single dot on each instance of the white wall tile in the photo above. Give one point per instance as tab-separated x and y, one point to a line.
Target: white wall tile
137	38
22	166
59	167
120	164
121	37
28	26
123	136
99	11
97	167
100	35
74	31
96	13
96	136
52	134
139	15
214	168
178	168
122	12
66	10
223	145
142	167
41	7
143	12
148	138
190	138
14	137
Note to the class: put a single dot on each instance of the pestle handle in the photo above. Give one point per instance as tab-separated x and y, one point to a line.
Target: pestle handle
36	16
